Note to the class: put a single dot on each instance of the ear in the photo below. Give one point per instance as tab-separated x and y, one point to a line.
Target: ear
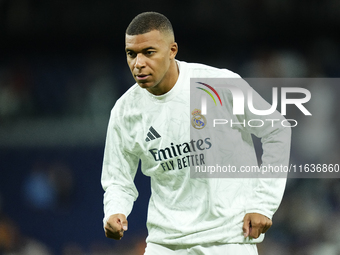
173	50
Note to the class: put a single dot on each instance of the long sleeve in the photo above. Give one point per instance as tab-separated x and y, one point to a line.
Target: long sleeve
268	192
119	170
275	138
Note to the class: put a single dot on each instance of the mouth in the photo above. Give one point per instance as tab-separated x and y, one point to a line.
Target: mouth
142	77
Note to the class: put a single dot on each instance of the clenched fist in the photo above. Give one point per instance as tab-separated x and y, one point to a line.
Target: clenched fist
115	226
254	224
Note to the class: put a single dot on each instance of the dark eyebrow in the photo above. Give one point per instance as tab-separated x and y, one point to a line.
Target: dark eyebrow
149	48
145	49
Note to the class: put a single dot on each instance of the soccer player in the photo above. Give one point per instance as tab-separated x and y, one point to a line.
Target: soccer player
150	122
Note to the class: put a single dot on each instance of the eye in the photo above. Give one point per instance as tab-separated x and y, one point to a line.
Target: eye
131	54
150	52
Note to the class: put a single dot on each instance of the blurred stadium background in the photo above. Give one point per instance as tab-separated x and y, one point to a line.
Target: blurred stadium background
62	66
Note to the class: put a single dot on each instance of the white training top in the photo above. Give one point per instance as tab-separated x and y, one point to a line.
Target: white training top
184	210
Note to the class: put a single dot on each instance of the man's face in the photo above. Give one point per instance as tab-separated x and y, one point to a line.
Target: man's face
149	57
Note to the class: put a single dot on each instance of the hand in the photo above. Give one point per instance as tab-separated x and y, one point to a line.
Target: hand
115	226
254	224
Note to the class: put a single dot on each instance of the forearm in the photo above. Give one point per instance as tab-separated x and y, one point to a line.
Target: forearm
118	200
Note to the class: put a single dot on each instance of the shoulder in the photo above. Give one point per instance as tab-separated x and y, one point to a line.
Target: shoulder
202	70
128	100
133	92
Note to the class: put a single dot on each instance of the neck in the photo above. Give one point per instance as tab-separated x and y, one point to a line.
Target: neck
168	82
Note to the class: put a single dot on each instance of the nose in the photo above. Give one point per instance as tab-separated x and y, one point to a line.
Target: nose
140	61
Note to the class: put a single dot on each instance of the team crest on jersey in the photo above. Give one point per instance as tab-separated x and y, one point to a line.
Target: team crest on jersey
198	121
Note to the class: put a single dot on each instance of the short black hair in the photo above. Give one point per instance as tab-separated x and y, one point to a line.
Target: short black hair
148	21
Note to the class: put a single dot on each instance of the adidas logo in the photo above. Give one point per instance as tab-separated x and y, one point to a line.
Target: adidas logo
152	134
